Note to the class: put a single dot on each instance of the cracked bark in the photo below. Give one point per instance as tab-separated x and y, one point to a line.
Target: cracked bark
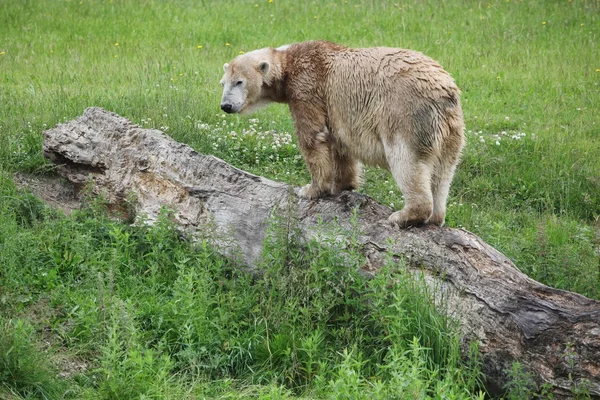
554	333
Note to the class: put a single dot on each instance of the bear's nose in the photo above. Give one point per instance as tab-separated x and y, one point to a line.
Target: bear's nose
226	107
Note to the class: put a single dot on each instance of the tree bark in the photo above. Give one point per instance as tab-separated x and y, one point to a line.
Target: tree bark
554	333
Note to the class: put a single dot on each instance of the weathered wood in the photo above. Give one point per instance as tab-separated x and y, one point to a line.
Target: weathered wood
554	333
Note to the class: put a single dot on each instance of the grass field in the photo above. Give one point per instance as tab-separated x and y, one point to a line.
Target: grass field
92	308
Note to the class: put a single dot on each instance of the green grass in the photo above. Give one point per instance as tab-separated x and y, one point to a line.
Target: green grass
145	314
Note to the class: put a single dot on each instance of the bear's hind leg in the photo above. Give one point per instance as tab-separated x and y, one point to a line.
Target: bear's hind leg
347	172
440	187
413	177
446	163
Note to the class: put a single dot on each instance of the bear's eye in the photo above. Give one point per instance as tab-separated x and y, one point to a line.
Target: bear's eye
238	83
222	83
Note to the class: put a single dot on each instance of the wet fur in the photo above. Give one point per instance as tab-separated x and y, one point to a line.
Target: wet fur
393	108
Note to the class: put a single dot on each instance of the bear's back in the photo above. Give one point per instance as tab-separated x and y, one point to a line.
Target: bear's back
386	72
386	91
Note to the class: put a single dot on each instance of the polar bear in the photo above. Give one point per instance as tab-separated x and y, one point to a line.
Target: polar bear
388	107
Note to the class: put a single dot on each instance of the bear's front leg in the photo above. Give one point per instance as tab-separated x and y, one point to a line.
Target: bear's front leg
314	141
347	170
316	150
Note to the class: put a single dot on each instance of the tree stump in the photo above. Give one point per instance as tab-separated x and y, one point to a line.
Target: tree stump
554	333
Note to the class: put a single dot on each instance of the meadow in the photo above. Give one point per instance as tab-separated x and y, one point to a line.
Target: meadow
93	308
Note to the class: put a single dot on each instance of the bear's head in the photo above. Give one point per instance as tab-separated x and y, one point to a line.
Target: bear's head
245	81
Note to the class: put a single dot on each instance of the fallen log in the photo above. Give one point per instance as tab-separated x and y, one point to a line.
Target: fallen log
554	333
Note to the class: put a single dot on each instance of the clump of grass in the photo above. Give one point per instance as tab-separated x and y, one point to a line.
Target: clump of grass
253	145
327	326
520	384
25	369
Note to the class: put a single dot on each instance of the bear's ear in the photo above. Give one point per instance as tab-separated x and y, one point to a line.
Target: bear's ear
264	67
225	66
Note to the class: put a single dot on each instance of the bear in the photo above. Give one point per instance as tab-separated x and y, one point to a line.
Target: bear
389	107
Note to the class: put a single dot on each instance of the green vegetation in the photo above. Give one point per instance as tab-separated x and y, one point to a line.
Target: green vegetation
96	309
143	313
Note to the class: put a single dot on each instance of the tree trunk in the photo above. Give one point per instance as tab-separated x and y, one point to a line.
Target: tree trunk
554	333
